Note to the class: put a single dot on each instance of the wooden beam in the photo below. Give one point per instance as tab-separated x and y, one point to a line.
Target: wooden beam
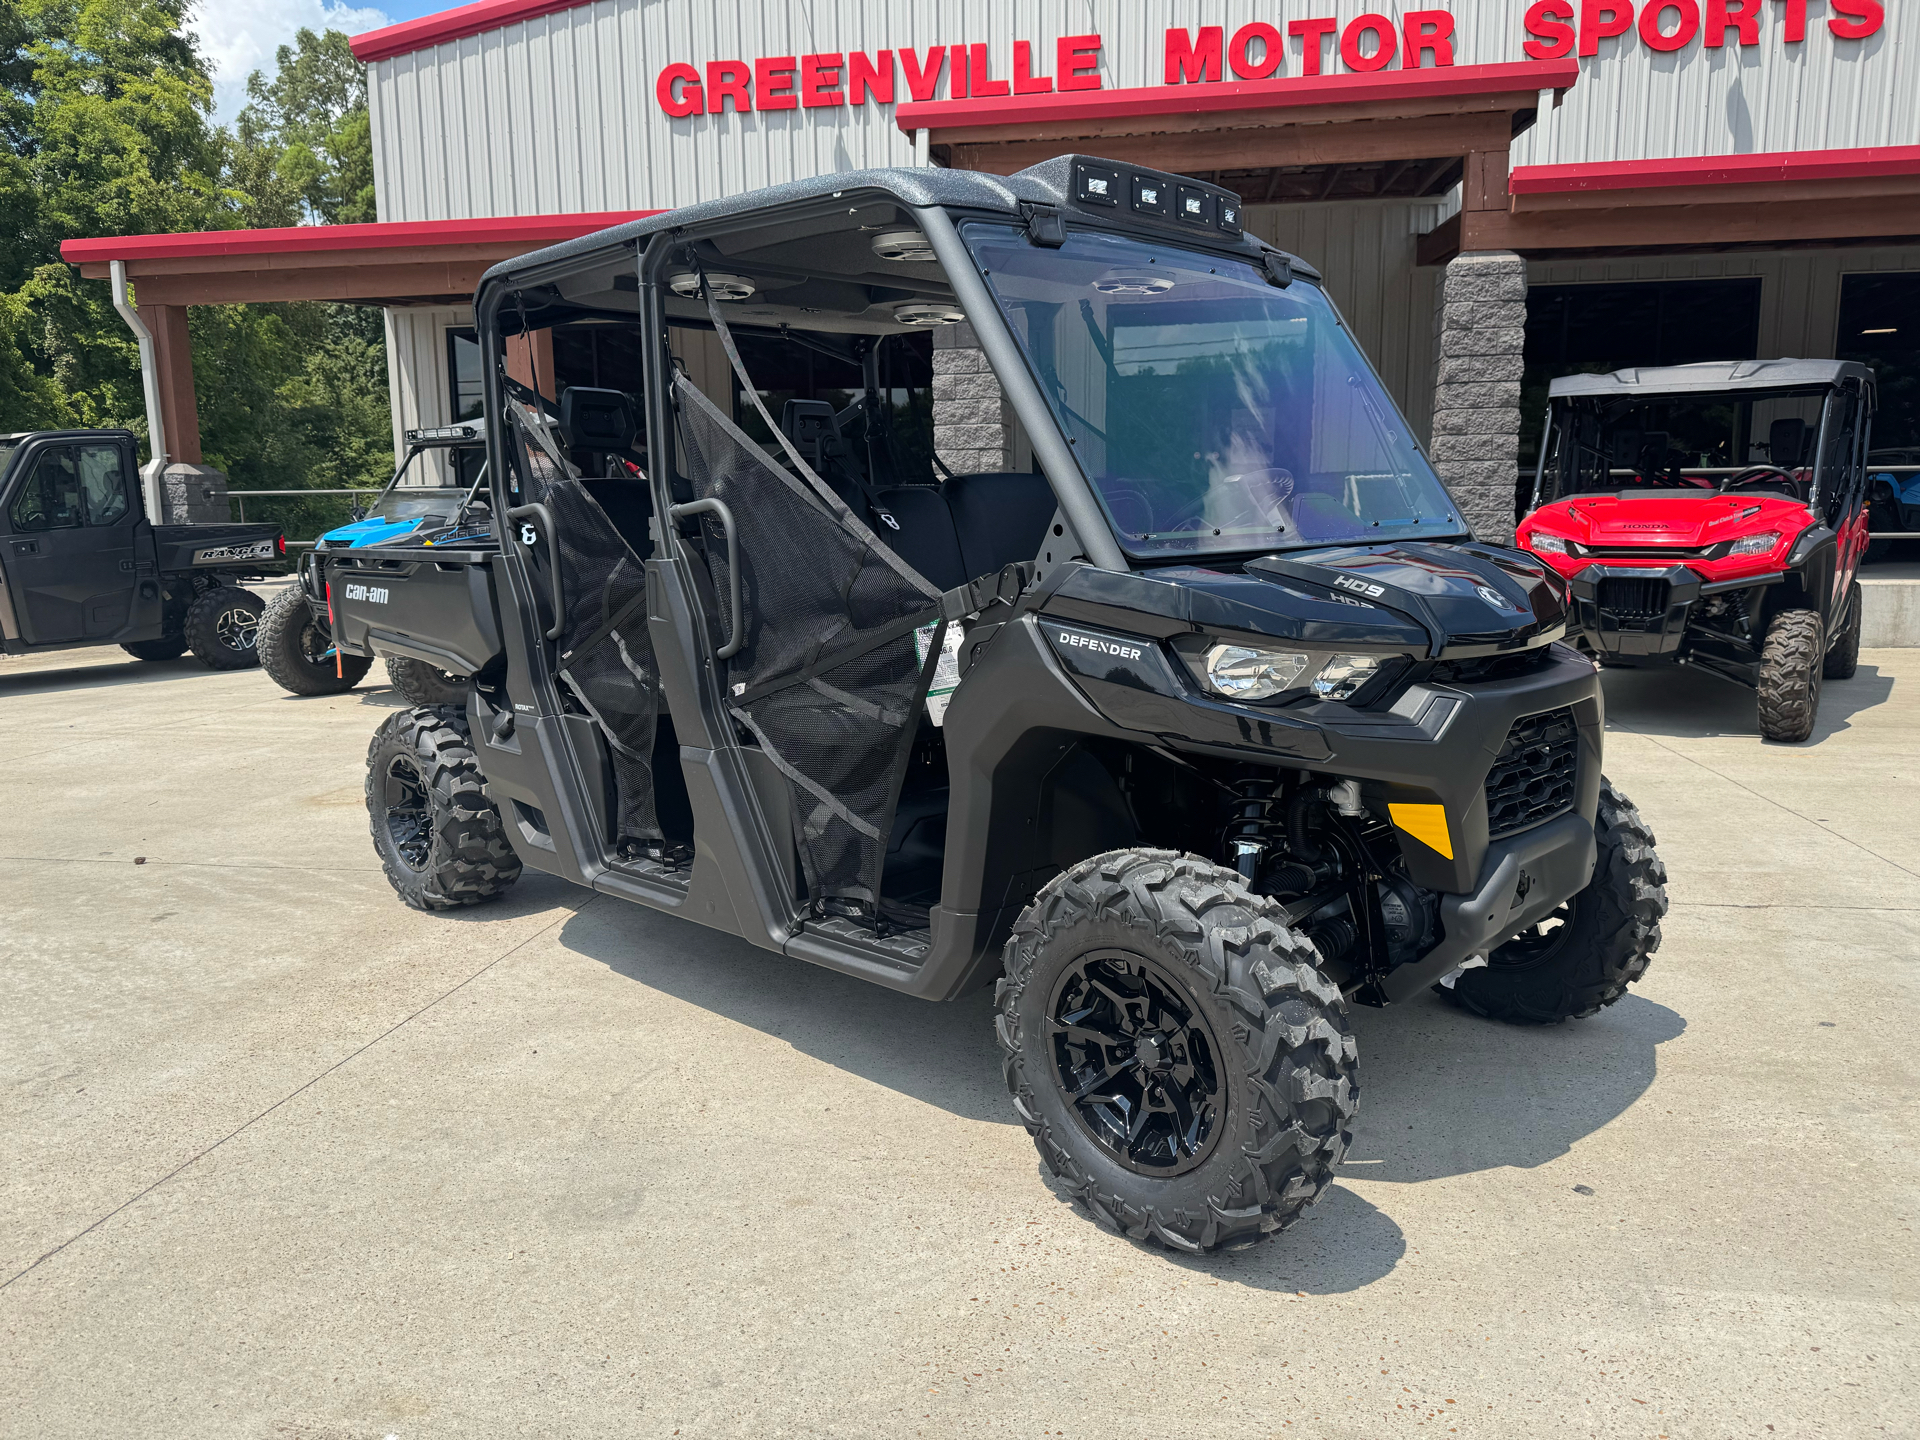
1362	142
362	285
1767	193
484	255
1109	127
173	364
1441	244
530	360
1731	222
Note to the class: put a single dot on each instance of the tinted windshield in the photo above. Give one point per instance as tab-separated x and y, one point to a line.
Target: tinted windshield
1212	410
1683	442
412	502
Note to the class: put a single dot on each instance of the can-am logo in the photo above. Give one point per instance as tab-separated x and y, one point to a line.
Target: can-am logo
1360	587
372	594
1095	643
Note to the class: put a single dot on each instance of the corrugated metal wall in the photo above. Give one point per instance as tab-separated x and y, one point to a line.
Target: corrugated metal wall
558	114
419	388
1365	249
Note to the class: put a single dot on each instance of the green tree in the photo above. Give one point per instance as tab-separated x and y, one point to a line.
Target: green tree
304	139
106	129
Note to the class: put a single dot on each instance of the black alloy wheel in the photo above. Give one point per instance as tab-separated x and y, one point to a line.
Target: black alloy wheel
409	818
1136	1062
222	627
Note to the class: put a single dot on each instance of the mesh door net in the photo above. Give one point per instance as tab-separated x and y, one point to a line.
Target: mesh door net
606	654
828	679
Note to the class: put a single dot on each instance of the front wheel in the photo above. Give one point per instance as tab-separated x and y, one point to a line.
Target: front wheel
424	684
1182	1062
438	834
1587	952
221	627
297	650
1789	690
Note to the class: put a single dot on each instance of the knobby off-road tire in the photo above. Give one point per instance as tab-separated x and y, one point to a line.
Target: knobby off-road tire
165	648
222	626
439	836
1586	954
1789	692
1844	656
424	684
1282	1054
297	652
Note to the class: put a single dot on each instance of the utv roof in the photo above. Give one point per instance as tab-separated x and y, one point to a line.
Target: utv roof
1710	376
1048	183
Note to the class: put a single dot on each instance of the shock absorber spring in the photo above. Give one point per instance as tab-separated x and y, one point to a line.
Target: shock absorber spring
1255	825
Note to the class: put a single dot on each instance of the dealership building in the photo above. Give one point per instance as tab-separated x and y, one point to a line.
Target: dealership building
1496	191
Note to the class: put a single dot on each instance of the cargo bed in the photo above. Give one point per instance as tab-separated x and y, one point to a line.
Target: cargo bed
434	605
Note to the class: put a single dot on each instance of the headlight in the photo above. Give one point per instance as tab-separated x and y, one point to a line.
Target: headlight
1756	544
1244	672
1547	544
1342	676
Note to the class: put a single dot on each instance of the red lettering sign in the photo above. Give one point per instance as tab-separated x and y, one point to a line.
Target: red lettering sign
1382	29
819	74
876	77
923	75
1547	21
727	79
1272	51
1796	15
1652	14
1867	17
1077	60
1026	82
1191	60
682	102
1309	33
1428	32
1743	17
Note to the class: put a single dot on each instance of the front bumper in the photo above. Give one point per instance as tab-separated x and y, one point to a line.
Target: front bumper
1630	612
1523	878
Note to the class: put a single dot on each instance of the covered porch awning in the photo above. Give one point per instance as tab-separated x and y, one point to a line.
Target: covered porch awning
1400	133
437	262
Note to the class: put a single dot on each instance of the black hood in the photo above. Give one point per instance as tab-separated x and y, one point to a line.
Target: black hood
1470	599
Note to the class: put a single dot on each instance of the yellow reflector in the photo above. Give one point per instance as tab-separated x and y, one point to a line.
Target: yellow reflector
1427	824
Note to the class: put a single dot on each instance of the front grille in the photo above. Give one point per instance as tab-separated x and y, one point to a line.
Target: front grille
1533	776
1632	595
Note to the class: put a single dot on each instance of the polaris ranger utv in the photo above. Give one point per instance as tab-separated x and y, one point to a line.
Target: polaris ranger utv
82	564
1214	722
297	647
1715	515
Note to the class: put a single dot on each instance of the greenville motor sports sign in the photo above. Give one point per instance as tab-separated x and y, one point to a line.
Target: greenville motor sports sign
1257	50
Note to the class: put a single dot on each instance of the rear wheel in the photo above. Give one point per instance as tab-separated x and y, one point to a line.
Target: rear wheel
1789	691
297	651
165	648
439	836
424	684
1844	656
1181	1061
1588	951
221	627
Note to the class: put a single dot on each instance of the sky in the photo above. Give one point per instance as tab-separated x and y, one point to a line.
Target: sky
240	36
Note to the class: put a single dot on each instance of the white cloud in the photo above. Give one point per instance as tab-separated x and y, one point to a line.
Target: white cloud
240	36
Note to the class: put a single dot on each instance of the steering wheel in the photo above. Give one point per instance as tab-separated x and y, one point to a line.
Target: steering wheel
1761	474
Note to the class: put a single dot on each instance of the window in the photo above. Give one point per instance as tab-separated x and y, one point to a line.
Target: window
1595	329
103	482
1877	326
50	499
463	375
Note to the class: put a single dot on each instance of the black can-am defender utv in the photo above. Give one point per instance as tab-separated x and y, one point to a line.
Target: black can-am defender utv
1214	721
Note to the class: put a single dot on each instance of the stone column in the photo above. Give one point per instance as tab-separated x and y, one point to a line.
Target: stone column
1478	334
970	430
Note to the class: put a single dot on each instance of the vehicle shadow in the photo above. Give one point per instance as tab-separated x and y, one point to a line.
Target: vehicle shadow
1686	703
1443	1092
119	670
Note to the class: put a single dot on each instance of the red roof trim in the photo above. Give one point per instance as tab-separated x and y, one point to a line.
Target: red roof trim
1878	160
456	24
1208	99
533	230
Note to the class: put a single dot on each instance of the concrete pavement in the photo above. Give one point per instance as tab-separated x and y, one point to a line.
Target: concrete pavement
285	1158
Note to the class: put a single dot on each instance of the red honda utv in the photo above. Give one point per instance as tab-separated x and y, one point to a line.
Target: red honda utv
1712	515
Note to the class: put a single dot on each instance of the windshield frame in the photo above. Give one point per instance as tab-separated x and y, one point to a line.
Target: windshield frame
1378	403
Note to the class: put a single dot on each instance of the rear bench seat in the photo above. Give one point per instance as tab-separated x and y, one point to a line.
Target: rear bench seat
973	525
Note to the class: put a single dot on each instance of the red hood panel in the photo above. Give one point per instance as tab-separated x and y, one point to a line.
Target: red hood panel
1682	520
